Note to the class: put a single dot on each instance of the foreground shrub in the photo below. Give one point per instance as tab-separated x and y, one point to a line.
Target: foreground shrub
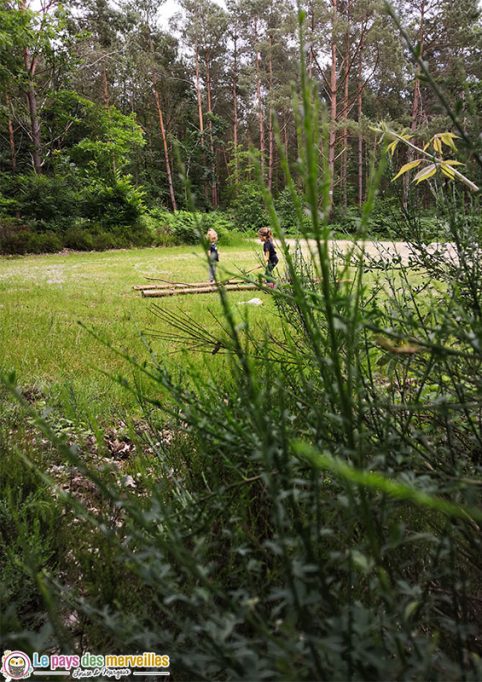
30	536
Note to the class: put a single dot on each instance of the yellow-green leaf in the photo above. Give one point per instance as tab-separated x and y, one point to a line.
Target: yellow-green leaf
448	139
407	167
449	162
437	144
446	170
425	173
391	147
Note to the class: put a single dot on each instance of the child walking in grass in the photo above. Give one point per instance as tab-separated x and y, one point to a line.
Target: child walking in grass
213	254
269	253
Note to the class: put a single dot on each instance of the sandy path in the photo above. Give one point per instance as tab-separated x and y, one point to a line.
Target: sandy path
382	249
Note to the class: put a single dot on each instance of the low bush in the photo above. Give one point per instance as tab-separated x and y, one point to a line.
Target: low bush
113	205
44	242
287	214
46	202
79	239
247	207
16	239
187	227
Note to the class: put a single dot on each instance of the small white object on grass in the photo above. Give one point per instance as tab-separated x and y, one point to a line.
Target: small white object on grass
252	301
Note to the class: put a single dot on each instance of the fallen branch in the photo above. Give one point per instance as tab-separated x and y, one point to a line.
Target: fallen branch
169	283
182	285
207	289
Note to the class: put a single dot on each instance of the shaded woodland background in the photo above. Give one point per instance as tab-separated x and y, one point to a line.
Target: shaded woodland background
102	104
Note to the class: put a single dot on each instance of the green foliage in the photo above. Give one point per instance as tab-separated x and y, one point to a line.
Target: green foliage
287	214
46	202
111	139
87	186
247	207
187	227
246	203
114	205
16	239
29	537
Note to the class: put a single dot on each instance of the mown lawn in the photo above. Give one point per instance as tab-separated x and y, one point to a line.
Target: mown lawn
45	300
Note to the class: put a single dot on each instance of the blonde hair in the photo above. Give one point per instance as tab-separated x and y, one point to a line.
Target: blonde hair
212	234
265	232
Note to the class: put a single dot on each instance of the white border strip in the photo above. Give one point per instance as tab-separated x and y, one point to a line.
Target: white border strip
51	672
147	672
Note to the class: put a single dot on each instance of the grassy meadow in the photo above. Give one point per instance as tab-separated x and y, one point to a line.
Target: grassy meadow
47	302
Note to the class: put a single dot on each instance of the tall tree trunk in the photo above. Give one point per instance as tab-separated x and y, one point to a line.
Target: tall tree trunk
333	101
258	97
199	98
166	148
235	109
359	116
105	86
270	123
11	138
30	64
416	100
200	110
347	68
35	126
214	188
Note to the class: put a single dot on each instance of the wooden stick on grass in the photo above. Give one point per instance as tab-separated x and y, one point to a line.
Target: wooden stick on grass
207	289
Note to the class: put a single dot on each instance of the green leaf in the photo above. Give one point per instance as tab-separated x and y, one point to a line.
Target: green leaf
379	482
410	609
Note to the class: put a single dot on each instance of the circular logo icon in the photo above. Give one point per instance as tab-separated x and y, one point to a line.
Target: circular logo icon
16	665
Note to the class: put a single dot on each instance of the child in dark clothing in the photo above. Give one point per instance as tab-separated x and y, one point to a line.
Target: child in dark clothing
269	253
213	254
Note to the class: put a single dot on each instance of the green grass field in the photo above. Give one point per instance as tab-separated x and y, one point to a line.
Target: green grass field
44	298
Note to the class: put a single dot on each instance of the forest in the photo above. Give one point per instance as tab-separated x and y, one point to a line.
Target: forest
107	110
241	340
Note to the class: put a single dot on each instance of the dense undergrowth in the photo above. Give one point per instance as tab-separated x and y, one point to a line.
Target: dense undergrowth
312	513
155	227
